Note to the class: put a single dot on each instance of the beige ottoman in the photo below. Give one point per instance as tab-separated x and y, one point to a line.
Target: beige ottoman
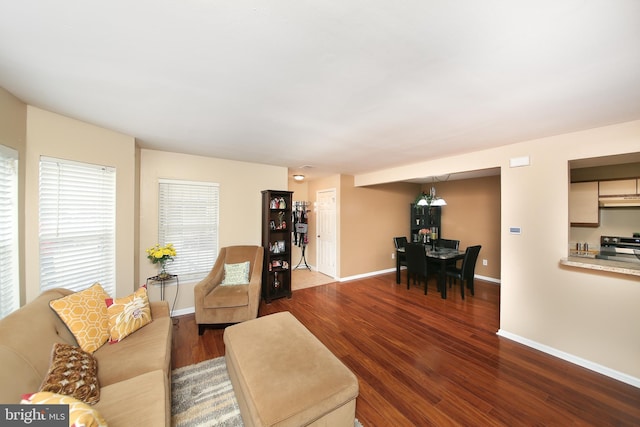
283	375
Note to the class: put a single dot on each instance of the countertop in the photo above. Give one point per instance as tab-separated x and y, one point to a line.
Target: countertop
621	267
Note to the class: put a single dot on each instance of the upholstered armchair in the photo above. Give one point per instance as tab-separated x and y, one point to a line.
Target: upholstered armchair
237	299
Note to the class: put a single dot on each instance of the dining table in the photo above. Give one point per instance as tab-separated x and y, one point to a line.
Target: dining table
438	255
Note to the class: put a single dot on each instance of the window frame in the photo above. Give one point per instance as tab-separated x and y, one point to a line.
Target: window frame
9	235
191	263
77	224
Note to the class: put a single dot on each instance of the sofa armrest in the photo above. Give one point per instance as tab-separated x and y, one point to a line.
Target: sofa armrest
159	309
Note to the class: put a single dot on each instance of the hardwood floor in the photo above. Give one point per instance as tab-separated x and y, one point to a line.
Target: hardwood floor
423	361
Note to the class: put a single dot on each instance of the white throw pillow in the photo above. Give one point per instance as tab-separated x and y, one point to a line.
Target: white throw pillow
236	274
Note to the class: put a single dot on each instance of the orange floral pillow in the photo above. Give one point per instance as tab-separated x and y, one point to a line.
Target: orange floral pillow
128	314
85	315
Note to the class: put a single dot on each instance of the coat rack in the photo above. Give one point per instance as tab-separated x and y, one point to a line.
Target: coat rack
300	220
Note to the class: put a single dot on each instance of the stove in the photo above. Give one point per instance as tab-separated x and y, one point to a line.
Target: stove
626	249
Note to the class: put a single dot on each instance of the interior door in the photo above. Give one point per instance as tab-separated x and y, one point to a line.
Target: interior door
326	232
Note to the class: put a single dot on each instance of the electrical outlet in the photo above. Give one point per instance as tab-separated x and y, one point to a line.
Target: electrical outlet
393	255
485	262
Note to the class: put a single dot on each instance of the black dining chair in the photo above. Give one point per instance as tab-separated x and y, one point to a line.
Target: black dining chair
401	242
466	272
416	264
448	243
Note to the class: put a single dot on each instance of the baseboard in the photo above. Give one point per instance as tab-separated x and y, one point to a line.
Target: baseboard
362	276
611	373
486	279
183	311
392	270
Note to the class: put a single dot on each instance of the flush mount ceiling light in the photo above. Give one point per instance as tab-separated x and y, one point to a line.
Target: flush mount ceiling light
298	177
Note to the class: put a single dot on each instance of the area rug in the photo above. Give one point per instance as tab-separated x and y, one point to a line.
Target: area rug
202	396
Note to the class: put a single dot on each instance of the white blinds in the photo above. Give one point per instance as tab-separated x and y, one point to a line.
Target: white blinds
77	225
9	279
188	218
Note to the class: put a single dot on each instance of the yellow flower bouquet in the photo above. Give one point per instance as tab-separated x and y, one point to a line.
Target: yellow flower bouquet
161	255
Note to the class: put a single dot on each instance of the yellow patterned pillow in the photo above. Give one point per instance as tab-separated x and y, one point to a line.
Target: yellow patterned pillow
128	314
80	414
85	315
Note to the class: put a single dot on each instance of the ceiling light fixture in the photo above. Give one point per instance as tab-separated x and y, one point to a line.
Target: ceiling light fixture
298	177
430	199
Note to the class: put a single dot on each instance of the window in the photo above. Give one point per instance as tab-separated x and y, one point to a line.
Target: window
9	279
188	218
77	225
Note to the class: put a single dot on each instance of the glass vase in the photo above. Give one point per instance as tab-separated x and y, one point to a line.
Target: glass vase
163	269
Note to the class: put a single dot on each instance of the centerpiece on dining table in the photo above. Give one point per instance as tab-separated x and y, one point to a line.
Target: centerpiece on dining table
424	235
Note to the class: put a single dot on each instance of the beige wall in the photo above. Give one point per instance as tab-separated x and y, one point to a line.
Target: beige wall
472	215
370	217
13	134
591	318
241	184
53	135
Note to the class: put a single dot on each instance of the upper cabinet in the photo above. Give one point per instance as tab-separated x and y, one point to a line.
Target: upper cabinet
619	187
425	217
583	204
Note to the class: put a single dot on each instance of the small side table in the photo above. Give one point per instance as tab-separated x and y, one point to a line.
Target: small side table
162	280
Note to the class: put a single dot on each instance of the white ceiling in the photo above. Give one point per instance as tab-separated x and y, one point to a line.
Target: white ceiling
344	86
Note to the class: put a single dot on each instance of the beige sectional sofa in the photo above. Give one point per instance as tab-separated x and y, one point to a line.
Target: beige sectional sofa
134	374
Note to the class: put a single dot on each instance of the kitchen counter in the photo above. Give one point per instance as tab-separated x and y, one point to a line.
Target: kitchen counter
621	267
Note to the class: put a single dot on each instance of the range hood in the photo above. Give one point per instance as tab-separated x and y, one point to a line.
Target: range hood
619	201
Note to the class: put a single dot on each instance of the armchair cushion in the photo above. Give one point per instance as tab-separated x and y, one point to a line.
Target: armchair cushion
236	274
227	296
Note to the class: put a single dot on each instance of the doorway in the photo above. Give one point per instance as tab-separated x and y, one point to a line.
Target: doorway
326	232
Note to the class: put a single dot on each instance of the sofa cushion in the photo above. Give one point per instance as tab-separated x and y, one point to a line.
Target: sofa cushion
147	350
141	401
227	296
236	274
80	414
73	372
85	314
128	314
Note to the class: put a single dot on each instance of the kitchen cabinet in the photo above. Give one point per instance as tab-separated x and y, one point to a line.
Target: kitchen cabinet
583	204
618	187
